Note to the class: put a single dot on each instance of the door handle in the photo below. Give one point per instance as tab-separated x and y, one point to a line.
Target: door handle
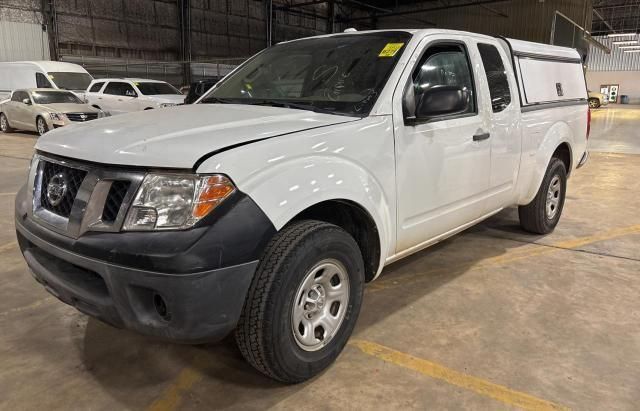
480	137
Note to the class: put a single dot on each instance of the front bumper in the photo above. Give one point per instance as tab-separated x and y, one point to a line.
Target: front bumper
191	308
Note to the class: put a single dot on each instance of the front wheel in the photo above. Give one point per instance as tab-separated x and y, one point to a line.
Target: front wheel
303	302
4	124
542	214
41	126
594	102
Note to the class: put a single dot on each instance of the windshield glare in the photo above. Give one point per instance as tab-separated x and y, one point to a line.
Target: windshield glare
52	97
152	89
71	81
342	74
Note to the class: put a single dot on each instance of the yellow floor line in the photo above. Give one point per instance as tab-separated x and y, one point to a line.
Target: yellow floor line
453	377
172	395
530	251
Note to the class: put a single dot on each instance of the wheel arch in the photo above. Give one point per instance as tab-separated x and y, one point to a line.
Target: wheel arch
355	220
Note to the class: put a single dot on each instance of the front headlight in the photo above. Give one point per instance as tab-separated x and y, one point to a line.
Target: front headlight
57	116
175	201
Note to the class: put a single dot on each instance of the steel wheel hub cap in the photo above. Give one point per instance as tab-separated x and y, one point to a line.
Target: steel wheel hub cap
3	123
553	197
41	126
320	305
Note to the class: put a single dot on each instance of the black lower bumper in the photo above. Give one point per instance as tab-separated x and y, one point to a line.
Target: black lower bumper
190	308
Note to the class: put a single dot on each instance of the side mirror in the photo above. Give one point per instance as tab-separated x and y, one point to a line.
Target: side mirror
26	101
435	101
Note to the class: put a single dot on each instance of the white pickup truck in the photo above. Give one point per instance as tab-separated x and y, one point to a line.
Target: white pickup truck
265	208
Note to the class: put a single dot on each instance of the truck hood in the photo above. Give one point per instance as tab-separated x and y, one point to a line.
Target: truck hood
177	137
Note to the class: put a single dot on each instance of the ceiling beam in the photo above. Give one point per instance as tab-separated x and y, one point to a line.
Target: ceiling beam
420	11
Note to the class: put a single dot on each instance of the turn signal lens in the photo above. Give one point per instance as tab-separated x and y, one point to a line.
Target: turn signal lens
212	191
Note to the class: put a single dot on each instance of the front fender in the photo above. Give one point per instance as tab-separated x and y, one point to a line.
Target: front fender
286	189
285	175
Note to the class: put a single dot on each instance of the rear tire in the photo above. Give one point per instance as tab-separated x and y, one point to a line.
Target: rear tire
594	102
303	302
4	124
41	126
542	214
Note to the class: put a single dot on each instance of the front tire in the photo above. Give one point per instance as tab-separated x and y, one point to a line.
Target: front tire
594	103
41	126
4	124
303	302
542	214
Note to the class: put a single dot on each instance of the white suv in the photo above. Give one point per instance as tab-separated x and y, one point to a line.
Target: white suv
117	96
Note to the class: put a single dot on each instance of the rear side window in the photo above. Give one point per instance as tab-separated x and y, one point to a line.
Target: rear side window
120	89
496	76
42	81
96	87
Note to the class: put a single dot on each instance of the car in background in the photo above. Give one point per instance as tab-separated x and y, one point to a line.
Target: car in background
43	74
199	88
118	96
597	99
41	110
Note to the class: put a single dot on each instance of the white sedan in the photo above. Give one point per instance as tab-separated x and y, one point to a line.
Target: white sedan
117	96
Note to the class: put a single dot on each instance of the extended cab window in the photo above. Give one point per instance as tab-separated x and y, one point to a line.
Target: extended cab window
96	87
445	65
42	81
117	88
496	76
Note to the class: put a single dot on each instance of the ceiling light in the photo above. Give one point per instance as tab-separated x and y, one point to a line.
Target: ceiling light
629	47
621	34
625	42
632	51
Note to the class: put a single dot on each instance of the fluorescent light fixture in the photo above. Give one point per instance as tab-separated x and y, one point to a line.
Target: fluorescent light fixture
621	34
625	42
632	51
629	47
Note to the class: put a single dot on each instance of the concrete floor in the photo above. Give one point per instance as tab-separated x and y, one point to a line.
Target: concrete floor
490	319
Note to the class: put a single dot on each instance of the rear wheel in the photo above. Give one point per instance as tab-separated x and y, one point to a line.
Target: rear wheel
542	214
303	303
41	126
594	102
4	124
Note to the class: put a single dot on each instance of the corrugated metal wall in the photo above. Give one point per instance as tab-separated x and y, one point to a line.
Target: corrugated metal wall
521	19
618	60
23	41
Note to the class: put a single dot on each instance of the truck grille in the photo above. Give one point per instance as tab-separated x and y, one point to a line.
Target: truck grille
73	197
82	116
59	187
112	205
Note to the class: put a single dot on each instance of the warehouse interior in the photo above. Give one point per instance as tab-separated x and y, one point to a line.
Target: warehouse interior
490	318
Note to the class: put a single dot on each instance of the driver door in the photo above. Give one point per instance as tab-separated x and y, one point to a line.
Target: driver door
442	161
20	113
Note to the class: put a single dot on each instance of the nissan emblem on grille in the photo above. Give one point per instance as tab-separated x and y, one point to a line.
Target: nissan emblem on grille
57	189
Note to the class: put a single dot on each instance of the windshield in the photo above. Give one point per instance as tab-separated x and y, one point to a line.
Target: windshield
339	74
52	97
71	81
152	89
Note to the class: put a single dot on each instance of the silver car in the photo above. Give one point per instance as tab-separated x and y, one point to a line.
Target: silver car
41	110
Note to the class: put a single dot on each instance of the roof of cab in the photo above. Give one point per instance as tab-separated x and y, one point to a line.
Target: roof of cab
517	45
132	79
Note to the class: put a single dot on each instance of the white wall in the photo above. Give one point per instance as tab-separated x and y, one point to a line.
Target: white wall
23	41
629	82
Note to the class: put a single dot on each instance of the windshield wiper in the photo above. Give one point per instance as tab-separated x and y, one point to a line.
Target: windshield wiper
216	100
298	106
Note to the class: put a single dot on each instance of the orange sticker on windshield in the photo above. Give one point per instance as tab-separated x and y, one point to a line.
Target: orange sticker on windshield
390	49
